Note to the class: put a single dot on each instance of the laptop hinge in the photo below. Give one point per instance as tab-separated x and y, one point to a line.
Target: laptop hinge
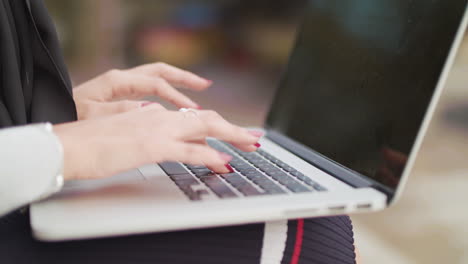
332	168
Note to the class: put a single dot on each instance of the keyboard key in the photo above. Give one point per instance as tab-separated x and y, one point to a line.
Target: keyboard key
219	187
288	169
244	168
202	192
249	190
249	156
248	171
314	184
320	188
194	195
200	172
233	178
217	145
207	177
262	169
186	182
281	164
266	166
268	185
298	175
281	176
292	185
298	188
272	170
179	177
196	167
241	184
275	190
173	168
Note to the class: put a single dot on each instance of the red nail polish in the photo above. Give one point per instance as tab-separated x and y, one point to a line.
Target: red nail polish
147	103
225	157
256	133
258	145
231	170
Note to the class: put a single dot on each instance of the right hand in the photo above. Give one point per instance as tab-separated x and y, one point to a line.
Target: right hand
99	148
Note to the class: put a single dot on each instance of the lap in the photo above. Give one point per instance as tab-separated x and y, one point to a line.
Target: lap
317	240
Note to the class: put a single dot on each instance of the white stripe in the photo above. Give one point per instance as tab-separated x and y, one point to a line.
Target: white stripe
274	242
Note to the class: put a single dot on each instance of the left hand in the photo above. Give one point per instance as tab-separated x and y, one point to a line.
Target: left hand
117	90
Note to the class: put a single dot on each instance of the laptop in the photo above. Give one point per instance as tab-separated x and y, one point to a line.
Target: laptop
342	134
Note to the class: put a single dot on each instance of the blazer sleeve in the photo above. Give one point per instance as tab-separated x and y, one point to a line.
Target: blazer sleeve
31	165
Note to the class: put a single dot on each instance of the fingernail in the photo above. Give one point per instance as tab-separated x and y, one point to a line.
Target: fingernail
231	170
225	157
256	133
199	107
258	145
209	81
147	103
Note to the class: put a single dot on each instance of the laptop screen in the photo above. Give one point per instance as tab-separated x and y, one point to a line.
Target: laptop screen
361	78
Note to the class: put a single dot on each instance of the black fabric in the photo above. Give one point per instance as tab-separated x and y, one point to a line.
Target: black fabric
325	240
34	83
328	240
231	245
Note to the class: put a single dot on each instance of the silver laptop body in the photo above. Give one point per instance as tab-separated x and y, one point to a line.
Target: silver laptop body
344	131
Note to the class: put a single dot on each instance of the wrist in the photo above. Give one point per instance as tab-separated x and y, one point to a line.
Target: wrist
63	135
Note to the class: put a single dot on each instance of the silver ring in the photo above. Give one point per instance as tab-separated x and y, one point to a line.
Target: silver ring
189	110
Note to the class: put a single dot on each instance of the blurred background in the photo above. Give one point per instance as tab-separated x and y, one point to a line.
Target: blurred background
243	46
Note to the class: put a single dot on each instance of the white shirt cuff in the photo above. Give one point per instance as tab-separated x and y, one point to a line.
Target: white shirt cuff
31	159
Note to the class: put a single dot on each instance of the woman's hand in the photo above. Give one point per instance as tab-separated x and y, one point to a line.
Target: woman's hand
116	91
105	146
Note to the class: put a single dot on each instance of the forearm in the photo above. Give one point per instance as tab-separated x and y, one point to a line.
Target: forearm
31	163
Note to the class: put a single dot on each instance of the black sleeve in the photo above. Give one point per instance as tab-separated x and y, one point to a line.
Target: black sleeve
34	82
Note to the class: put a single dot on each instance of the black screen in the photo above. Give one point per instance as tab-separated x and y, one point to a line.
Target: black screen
361	78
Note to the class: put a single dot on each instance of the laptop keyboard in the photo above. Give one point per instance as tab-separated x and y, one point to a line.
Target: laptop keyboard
256	173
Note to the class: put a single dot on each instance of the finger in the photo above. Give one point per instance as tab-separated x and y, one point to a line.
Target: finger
200	154
117	107
175	76
226	156
138	86
210	124
254	147
173	96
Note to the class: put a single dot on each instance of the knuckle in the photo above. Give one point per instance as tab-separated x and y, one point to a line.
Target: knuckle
191	152
112	74
161	65
212	115
201	129
114	77
213	128
213	121
160	83
159	86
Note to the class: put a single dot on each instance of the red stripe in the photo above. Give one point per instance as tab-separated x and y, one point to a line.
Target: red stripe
298	244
